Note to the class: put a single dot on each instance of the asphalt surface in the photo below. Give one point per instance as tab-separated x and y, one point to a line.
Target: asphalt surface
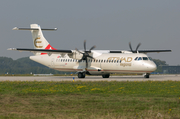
91	78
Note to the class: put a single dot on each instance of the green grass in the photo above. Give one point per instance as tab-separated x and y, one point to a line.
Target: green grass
79	100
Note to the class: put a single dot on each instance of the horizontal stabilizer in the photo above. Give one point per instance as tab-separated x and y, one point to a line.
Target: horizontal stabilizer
16	28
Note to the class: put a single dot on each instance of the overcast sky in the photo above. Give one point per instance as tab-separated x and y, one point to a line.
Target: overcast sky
108	24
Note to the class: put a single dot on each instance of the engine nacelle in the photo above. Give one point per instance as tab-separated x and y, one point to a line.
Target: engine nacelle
75	55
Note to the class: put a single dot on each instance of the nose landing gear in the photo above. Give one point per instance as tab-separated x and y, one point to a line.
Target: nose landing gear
146	75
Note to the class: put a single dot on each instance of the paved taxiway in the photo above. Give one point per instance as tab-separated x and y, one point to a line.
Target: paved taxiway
91	78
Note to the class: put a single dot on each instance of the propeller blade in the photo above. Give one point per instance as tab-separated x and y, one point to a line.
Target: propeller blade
92	47
85	53
91	57
84	45
86	63
78	51
80	60
138	46
130	46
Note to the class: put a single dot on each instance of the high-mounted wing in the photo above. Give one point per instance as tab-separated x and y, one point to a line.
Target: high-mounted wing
151	51
41	50
139	51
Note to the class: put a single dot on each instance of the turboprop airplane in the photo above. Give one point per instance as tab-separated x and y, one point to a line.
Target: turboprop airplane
90	62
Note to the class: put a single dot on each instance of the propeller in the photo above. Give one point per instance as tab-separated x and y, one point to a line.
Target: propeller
134	51
86	53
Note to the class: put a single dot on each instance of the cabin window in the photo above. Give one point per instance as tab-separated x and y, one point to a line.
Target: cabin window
109	61
139	58
114	61
101	60
136	58
145	58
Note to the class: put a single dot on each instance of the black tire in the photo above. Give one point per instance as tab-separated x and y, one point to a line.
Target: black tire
146	76
81	75
106	76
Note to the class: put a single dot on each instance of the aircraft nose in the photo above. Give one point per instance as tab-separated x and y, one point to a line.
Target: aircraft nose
152	66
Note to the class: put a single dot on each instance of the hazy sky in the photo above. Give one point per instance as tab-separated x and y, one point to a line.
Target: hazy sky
108	24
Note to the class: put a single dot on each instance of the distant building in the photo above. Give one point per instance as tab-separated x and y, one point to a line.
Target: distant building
170	69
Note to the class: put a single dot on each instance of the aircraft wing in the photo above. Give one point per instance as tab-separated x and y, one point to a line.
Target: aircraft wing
71	51
41	50
140	51
151	51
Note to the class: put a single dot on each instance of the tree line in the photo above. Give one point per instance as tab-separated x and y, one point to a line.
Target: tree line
24	66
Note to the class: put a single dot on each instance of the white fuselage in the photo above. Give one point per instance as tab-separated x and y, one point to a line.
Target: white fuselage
105	63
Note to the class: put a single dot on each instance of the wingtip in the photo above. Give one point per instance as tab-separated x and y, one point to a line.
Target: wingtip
15	28
12	49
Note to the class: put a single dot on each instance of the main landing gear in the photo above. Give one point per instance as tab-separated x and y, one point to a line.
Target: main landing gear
146	75
106	76
81	75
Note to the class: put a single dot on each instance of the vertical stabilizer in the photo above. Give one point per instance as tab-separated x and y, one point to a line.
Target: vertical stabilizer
39	41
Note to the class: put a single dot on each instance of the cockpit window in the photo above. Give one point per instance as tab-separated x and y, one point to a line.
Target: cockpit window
150	58
136	58
139	58
145	58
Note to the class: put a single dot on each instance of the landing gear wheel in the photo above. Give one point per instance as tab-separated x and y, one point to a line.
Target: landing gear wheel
81	75
146	75
106	76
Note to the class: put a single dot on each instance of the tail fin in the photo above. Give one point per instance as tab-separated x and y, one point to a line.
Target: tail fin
39	41
38	38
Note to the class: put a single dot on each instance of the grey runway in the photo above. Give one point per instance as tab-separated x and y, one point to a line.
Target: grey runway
91	78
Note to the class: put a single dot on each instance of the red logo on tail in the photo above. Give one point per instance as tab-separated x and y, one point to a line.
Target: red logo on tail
49	47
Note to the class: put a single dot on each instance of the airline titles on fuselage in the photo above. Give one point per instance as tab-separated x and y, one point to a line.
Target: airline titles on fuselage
123	61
